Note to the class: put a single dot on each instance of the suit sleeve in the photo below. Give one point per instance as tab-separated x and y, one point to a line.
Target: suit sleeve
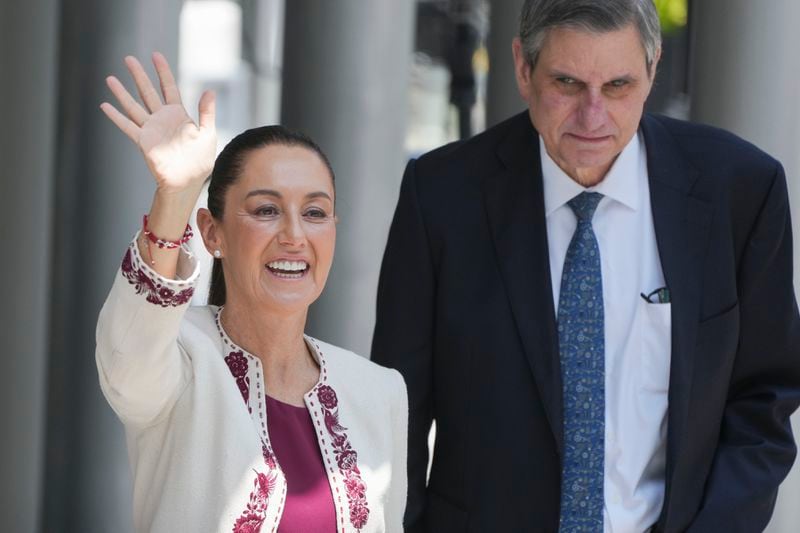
756	448
141	367
403	337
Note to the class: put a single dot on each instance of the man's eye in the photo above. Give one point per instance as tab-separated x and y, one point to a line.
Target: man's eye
618	83
565	80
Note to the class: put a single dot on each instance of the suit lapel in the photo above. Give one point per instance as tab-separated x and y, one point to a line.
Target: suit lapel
514	200
682	223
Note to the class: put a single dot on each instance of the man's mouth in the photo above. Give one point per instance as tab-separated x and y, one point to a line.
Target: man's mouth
590	139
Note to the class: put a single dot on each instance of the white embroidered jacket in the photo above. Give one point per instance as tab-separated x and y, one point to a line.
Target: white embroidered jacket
201	456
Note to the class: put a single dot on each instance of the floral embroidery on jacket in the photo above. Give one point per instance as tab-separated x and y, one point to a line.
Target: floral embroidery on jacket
237	363
346	458
155	291
253	516
269	457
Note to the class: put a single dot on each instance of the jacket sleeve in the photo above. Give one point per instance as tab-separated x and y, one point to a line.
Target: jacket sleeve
399	489
403	337
142	369
756	448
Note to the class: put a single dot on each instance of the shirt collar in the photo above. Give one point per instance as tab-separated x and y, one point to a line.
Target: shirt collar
622	182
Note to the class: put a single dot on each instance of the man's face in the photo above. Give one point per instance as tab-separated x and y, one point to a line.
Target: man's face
586	96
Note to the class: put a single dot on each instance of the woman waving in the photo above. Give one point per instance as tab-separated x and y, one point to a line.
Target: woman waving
236	420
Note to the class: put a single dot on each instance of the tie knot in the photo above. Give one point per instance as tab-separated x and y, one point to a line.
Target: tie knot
585	204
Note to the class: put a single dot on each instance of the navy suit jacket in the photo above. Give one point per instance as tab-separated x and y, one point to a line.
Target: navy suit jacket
465	312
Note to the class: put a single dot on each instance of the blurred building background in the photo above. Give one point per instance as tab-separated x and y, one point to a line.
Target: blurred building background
373	81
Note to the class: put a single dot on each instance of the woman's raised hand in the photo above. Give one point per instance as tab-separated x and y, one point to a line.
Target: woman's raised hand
179	153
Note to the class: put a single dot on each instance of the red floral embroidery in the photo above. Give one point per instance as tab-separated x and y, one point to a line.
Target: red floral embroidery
356	487
269	457
155	292
248	523
327	397
359	514
237	363
253	516
346	458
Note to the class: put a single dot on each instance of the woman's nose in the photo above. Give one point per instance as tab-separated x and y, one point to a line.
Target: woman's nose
292	233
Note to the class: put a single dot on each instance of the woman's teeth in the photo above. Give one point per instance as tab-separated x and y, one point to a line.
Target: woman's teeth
288	269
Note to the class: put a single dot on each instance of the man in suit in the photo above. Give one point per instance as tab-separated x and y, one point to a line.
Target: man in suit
594	305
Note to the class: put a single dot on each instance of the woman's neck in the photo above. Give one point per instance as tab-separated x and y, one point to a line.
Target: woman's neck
277	340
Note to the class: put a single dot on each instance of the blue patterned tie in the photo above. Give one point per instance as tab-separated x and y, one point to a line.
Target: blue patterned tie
581	339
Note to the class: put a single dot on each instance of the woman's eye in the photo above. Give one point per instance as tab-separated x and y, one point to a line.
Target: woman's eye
316	213
266	211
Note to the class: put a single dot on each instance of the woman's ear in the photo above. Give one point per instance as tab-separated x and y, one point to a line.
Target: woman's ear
210	231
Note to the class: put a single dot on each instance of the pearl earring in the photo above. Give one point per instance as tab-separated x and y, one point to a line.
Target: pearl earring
217	254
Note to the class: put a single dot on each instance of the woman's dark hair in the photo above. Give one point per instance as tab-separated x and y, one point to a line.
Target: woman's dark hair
227	169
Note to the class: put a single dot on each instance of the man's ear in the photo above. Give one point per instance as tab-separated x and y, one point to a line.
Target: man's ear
210	231
654	65
522	68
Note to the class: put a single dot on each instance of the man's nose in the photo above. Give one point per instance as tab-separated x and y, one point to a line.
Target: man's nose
592	112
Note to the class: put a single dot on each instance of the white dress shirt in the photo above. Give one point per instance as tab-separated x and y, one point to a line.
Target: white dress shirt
637	333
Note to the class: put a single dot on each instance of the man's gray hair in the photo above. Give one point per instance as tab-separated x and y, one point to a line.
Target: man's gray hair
598	16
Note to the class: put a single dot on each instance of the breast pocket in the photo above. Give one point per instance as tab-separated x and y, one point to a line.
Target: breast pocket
717	341
721	329
655	323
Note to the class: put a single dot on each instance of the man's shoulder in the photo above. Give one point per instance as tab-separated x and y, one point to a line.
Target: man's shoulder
476	152
708	145
725	168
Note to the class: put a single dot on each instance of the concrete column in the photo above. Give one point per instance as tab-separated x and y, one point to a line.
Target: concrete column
502	98
745	77
28	62
102	188
262	48
345	83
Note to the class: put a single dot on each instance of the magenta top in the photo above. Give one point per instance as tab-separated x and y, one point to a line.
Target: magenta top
309	502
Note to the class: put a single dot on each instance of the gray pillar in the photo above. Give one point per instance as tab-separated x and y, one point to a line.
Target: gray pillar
28	62
262	48
345	83
102	189
502	97
746	78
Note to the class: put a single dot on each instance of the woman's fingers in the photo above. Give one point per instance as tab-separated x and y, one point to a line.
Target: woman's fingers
122	122
206	109
169	88
134	111
147	92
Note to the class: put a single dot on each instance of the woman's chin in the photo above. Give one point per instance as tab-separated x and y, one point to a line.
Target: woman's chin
288	299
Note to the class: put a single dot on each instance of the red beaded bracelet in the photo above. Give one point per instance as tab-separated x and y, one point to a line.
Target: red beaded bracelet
163	243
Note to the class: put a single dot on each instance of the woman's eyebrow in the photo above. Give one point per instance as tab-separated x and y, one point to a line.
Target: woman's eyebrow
264	192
